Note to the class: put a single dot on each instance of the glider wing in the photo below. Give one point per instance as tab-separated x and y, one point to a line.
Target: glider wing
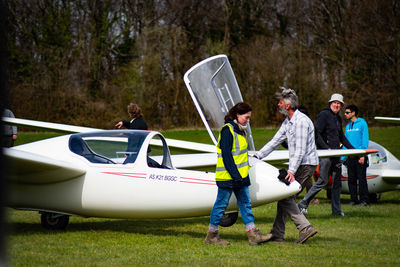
32	168
278	155
391	176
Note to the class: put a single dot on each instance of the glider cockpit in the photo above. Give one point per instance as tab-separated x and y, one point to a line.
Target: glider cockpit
121	147
379	157
80	147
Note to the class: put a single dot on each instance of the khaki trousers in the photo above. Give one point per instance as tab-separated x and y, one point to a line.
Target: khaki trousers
288	207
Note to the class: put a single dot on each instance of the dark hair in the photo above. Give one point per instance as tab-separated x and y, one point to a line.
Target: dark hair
353	108
135	110
240	108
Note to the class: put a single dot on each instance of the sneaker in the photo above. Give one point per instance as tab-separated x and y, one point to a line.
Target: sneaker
363	204
306	233
352	203
303	209
341	214
314	201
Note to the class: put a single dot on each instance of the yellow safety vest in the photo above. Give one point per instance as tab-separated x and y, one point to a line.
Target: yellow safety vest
239	154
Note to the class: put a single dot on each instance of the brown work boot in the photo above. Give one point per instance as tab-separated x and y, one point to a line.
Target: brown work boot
306	233
213	238
256	237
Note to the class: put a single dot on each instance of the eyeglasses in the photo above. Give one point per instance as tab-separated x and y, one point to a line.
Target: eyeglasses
347	112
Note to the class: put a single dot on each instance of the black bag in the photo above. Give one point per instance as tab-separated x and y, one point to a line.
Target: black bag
282	176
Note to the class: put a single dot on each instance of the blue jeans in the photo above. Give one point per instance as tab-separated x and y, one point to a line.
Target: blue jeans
243	200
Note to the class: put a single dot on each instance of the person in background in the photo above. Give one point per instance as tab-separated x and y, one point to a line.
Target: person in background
232	175
298	130
137	122
329	135
357	133
9	132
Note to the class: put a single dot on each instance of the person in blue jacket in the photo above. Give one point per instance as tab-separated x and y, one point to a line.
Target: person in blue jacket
357	134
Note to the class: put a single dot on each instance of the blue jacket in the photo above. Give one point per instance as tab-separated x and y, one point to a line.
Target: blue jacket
357	133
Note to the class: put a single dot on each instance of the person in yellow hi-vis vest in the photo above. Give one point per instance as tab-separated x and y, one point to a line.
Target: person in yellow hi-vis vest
232	175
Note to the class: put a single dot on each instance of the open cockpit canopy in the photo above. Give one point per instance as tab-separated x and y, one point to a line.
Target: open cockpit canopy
214	90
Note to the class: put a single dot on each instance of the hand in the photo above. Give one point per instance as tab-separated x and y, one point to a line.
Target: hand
119	125
361	160
14	137
290	177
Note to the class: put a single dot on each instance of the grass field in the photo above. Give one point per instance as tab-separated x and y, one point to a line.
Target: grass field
371	236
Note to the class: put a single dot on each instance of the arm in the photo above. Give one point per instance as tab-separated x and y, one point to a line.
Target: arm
278	138
364	140
319	128
14	128
226	150
365	135
345	133
126	124
344	140
122	123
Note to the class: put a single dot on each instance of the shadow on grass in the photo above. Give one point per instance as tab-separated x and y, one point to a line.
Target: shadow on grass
155	227
349	216
387	201
167	227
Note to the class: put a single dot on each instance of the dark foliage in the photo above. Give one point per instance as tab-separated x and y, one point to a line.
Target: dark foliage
83	61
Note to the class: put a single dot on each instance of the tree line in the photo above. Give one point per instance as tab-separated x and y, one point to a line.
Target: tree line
82	61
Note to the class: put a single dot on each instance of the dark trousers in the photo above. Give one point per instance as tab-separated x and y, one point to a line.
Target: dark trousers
327	167
7	141
357	173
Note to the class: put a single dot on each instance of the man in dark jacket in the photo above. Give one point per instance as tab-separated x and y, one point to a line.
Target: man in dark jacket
9	131
329	135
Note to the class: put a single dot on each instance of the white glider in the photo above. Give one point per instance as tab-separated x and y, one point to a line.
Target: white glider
131	174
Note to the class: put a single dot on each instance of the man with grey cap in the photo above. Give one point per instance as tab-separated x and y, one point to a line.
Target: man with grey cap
329	135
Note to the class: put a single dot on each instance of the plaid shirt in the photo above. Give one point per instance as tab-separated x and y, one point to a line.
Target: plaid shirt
299	133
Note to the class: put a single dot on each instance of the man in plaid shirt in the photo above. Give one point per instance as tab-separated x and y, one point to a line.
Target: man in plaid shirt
298	130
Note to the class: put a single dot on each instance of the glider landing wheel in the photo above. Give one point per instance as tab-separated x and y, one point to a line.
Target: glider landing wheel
54	221
229	219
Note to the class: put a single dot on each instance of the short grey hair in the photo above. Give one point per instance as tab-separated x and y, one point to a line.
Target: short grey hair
289	96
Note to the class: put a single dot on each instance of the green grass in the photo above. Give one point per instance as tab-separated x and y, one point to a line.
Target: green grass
371	236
